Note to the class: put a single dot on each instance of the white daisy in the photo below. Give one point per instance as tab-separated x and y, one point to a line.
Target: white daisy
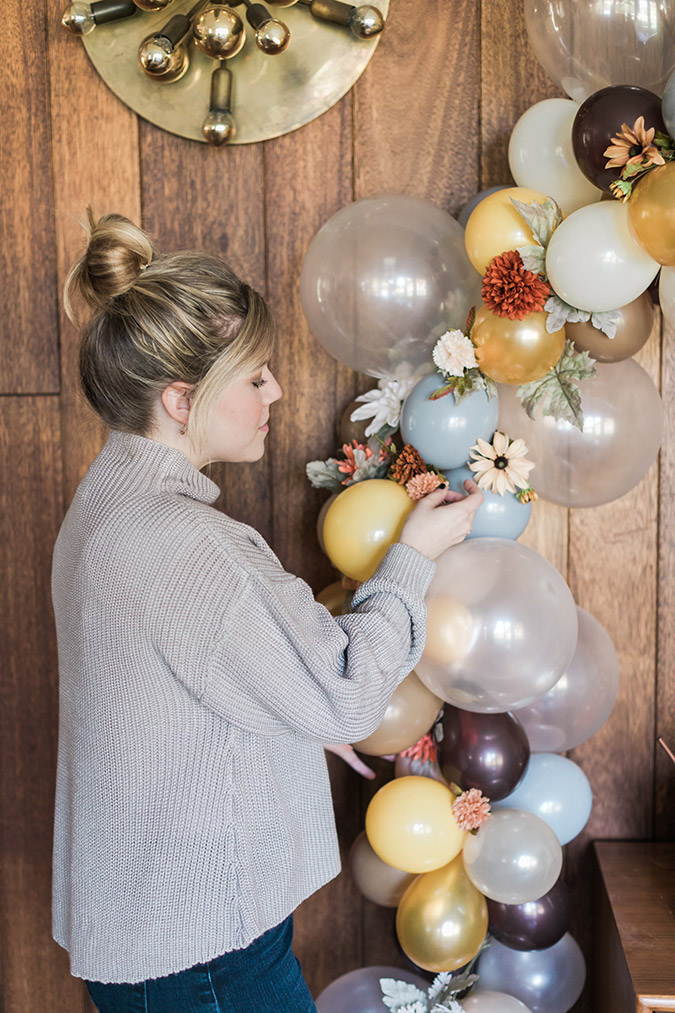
501	465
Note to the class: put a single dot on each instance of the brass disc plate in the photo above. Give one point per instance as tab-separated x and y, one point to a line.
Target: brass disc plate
271	95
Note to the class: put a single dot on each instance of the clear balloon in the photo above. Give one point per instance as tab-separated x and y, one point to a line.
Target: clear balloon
651	214
497	516
501	626
410	824
410	714
667	294
359	991
444	432
383	279
535	925
362	523
484	751
493	1002
378	882
582	699
515	857
495	226
555	789
541	155
593	262
515	351
622	430
442	919
668	107
587	46
464	214
633	326
548	981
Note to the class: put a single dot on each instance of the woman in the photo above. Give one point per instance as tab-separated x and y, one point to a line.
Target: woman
198	679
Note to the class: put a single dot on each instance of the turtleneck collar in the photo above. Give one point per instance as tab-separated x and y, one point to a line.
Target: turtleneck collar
174	471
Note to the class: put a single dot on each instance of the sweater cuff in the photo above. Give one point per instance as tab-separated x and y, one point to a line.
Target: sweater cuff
406	567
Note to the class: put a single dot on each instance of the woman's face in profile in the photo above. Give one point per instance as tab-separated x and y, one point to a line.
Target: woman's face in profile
239	420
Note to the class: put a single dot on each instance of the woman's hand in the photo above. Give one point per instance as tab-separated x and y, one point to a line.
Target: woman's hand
355	762
441	519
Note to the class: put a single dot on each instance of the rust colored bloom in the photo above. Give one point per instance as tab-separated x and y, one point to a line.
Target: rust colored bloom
510	290
632	146
353	451
471	809
408	464
420	485
424	750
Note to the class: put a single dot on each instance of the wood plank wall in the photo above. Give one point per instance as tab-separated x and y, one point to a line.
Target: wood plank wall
434	124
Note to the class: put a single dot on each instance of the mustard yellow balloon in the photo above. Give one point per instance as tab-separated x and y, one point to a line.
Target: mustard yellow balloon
333	597
411	713
410	824
322	517
442	919
651	214
515	351
494	226
362	523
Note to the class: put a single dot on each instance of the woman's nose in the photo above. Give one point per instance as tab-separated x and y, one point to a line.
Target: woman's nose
274	391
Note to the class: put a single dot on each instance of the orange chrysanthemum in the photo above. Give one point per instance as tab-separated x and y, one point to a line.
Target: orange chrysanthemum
471	809
510	290
424	750
421	485
632	146
350	465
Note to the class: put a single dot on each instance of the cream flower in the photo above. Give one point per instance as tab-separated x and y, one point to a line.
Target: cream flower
501	465
453	353
383	404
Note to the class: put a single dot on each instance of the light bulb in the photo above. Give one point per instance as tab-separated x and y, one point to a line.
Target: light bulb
219	127
282	3
272	37
366	21
82	18
152	5
219	32
78	19
160	59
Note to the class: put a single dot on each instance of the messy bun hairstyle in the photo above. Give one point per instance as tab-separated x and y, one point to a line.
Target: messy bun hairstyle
158	318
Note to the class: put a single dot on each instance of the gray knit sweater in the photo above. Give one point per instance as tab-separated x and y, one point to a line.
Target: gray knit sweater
198	680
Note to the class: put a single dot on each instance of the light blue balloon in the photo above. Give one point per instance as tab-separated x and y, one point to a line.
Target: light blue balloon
498	516
444	432
464	214
555	789
668	105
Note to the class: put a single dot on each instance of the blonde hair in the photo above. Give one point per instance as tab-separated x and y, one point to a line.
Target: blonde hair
159	318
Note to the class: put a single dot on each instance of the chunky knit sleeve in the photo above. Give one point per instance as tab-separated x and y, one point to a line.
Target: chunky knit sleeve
282	663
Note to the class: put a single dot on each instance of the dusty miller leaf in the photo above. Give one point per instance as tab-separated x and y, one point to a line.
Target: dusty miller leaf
606	322
543	219
472	381
440	982
533	258
561	313
324	474
396	994
558	391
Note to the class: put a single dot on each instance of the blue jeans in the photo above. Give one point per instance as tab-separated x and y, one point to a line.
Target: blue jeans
266	975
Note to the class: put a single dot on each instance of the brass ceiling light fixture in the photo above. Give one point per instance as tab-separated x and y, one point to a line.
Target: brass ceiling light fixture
332	42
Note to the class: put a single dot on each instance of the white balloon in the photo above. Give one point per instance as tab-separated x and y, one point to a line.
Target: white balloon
557	791
493	1002
541	155
667	294
593	262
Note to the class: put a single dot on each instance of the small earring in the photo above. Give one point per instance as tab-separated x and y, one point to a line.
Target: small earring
183	430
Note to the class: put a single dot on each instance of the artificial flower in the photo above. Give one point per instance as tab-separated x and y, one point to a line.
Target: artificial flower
360	463
501	465
408	464
383	404
471	809
633	146
420	486
510	290
453	353
424	750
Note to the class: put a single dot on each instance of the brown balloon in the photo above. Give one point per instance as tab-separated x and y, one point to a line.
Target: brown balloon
442	918
377	881
411	713
352	430
632	331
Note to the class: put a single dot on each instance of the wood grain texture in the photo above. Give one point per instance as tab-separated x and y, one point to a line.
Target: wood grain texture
95	162
28	333
30	515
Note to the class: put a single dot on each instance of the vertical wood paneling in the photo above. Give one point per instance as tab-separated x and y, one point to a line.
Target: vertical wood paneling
29	337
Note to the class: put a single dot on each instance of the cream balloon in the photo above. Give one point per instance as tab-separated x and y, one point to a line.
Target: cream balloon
378	882
667	294
541	155
593	262
493	1002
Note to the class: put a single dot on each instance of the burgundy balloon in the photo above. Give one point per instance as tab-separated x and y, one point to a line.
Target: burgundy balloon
600	117
535	925
485	751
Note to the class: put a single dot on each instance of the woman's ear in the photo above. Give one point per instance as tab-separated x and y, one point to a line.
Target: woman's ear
176	401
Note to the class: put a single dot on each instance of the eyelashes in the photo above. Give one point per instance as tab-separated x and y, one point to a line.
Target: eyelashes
259	383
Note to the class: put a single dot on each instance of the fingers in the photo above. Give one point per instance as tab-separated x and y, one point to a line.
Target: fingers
347	753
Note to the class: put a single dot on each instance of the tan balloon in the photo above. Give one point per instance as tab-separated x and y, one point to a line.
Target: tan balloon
632	331
377	881
333	597
411	713
442	919
515	351
321	518
449	629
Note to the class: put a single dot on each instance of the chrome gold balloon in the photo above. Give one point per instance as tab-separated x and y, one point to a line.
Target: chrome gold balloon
442	919
651	214
219	32
515	351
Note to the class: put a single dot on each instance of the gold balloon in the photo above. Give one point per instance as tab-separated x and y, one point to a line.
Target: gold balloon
322	517
362	523
651	214
410	824
494	226
333	597
515	351
449	630
633	327
377	881
442	919
411	712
